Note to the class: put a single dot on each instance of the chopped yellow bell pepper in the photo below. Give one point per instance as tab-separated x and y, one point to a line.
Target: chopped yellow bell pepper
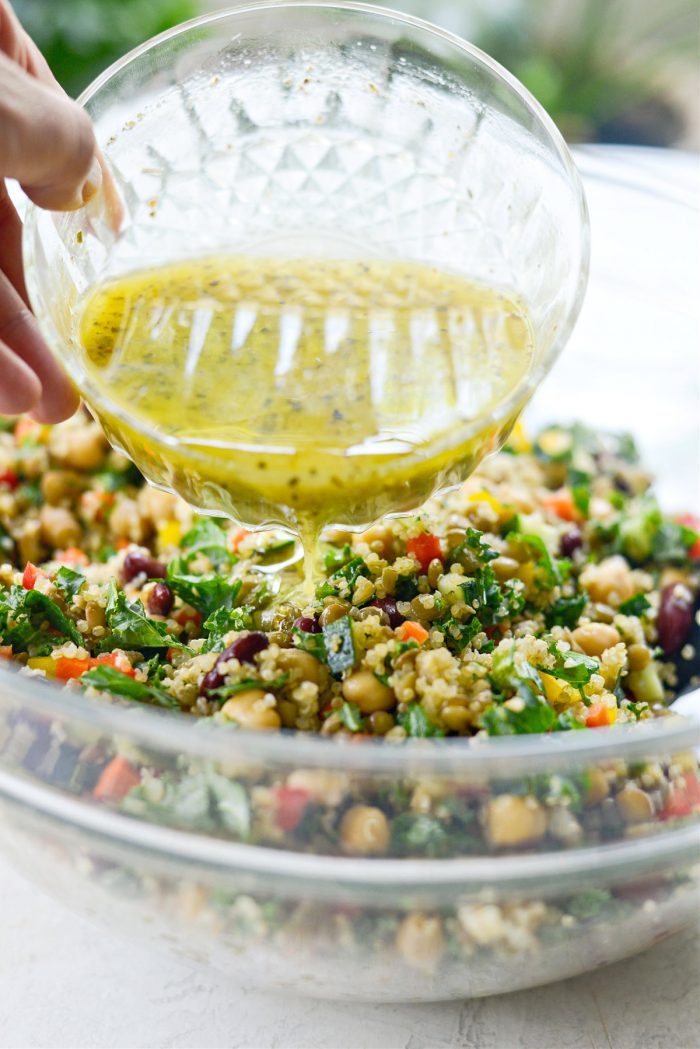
482	496
169	533
45	663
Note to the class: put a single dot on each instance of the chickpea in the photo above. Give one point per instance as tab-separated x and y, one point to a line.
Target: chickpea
610	581
594	638
334	610
80	447
456	718
597	788
302	665
28	541
634	804
365	830
513	820
57	485
638	656
251	711
420	941
380	722
59	528
368	692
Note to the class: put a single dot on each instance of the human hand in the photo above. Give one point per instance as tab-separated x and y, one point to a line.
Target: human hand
48	145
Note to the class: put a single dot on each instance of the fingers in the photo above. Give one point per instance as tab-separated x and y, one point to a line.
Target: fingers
20	389
11	242
48	143
32	379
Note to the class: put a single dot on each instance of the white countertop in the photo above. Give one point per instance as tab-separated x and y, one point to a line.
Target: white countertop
66	983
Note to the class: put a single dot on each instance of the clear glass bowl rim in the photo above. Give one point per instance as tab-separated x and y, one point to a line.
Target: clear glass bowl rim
500	757
528	384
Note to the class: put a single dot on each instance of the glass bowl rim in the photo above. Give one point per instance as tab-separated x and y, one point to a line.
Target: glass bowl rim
501	757
522	392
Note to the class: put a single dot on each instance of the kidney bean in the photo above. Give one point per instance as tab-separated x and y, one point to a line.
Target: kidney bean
211	681
388	606
160	600
571	541
243	649
308	624
136	563
675	617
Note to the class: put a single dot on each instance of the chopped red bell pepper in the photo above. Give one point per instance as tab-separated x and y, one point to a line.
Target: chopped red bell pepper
425	548
290	806
30	575
692	522
9	479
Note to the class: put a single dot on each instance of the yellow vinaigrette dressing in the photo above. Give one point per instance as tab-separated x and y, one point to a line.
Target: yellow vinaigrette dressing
304	391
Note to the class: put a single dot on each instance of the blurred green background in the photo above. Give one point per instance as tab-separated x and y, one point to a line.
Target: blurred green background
606	70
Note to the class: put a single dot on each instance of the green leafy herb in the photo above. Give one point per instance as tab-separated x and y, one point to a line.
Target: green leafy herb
109	679
340	647
223	621
589	904
581	495
23	614
574	668
226	691
343	581
416	722
635	606
491	602
474	548
69	582
544	561
513	680
457	634
417	834
334	559
129	625
351	717
201	801
535	715
565	611
206	593
314	644
206	537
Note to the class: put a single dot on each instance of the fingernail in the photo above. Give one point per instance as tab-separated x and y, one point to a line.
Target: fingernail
93	182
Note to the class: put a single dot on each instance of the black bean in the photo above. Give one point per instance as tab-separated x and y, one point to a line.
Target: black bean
388	605
136	563
308	624
675	617
160	600
570	542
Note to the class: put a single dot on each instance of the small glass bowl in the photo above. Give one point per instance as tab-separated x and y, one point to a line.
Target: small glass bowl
337	130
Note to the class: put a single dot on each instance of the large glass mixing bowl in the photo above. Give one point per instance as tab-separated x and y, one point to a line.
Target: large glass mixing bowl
329	130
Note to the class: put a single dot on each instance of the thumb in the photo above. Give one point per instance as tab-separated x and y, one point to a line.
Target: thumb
47	142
